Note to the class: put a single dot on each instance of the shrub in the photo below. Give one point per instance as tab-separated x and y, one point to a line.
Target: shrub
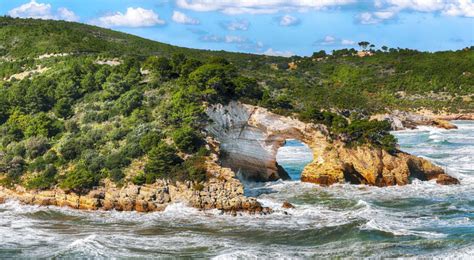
162	159
43	125
150	140
44	180
116	175
70	150
36	146
116	160
129	101
79	180
50	156
139	179
187	140
63	108
195	169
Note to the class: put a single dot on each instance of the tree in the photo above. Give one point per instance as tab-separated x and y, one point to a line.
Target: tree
319	54
129	101
161	161
79	180
63	108
364	44
215	81
384	48
187	140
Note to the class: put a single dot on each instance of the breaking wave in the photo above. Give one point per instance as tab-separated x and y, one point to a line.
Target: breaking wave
422	219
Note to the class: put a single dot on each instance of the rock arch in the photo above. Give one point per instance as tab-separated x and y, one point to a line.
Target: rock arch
249	138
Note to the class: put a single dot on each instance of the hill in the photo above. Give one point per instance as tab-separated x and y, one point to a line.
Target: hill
82	104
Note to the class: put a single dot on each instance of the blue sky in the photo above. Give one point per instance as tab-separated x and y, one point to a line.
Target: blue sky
273	27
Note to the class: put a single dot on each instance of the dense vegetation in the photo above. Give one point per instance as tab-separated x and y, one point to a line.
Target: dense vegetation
123	108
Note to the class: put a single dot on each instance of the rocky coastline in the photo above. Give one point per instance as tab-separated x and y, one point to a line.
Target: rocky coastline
223	192
245	140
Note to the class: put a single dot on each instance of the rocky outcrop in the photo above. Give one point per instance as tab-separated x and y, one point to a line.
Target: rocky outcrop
401	120
250	136
371	166
222	191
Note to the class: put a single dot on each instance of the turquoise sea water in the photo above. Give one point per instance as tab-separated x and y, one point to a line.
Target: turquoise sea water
418	220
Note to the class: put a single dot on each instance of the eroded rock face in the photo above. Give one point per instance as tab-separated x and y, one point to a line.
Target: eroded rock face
222	191
250	136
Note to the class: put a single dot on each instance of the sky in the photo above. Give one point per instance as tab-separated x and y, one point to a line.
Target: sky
272	27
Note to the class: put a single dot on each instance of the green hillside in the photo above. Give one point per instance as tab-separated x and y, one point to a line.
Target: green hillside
123	108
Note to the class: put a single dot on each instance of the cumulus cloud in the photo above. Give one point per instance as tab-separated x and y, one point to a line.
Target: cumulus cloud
375	17
237	25
67	15
330	40
347	42
258	6
272	52
133	17
288	20
37	10
182	18
388	9
241	42
460	8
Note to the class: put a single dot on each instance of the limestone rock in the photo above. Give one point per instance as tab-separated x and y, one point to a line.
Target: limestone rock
444	179
401	120
287	205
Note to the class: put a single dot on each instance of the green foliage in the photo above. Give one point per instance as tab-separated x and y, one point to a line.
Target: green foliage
357	132
44	180
187	139
79	180
162	161
129	101
214	80
95	118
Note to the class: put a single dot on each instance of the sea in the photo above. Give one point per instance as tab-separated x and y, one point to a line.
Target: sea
419	220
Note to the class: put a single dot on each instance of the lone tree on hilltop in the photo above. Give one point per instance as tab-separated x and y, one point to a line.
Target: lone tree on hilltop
364	44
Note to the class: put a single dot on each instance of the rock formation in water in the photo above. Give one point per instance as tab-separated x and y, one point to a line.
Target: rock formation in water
247	139
401	120
222	191
250	136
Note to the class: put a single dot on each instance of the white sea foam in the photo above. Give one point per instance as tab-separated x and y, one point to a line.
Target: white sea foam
421	219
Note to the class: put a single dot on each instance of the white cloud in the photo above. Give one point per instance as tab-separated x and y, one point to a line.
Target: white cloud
390	8
334	41
288	20
272	52
134	17
258	6
67	15
212	38
182	18
237	25
37	10
328	40
347	42
235	39
460	8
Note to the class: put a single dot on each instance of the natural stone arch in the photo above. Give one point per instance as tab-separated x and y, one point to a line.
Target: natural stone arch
250	137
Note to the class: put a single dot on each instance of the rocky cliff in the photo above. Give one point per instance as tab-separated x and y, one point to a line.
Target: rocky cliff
222	191
250	136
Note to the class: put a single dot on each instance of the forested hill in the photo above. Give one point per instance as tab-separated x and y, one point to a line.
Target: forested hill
30	38
81	104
